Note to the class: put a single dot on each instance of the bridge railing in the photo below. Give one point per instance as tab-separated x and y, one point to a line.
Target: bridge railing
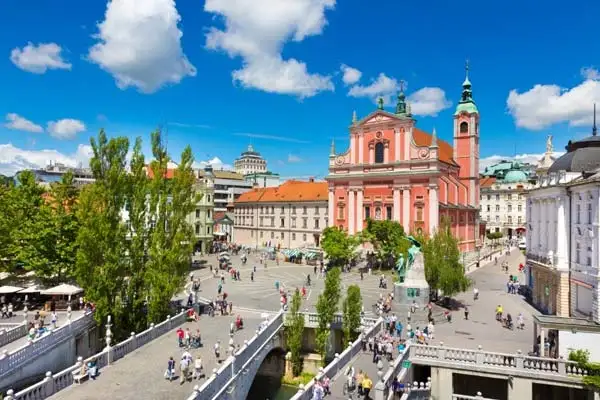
217	383
480	358
9	361
54	383
13	333
340	361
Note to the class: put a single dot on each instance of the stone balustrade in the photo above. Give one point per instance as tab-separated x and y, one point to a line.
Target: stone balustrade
235	364
478	396
311	320
10	335
339	362
482	359
415	391
54	383
9	361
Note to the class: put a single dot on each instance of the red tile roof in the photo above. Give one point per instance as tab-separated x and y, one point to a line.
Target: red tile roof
290	191
487	181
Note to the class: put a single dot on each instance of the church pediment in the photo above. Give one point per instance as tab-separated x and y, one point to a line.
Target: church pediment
377	117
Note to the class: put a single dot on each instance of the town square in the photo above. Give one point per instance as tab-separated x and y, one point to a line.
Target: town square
299	200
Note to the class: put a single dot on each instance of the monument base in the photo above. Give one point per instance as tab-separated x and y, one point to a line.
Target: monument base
407	292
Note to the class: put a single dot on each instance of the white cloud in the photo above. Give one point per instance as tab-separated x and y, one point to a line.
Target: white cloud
140	44
525	158
18	123
383	86
215	162
428	101
351	75
14	159
590	73
66	128
293	158
545	105
39	59
256	31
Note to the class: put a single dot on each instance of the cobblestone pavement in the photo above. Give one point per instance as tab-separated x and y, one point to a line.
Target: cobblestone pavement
15	344
139	375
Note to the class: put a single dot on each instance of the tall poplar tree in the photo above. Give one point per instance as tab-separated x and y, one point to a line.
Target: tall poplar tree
101	267
327	305
351	310
295	332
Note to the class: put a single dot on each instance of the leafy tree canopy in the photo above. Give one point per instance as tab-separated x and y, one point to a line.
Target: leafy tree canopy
388	239
352	309
338	245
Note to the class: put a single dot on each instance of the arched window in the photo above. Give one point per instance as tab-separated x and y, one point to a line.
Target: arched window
379	153
464	127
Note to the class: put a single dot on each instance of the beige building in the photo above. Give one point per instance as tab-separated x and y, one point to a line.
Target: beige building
292	215
202	217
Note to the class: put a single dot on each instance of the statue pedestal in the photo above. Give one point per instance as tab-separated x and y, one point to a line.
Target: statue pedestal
415	287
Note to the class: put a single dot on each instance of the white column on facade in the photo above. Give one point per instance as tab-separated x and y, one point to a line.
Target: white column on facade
434	208
359	210
386	153
406	208
407	138
351	211
331	207
361	149
543	216
371	155
396	144
397	204
561	233
352	148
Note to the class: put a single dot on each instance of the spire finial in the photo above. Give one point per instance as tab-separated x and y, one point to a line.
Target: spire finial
380	103
332	148
354	118
402	85
594	128
467	68
434	138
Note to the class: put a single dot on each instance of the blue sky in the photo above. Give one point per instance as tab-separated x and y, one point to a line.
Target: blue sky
222	74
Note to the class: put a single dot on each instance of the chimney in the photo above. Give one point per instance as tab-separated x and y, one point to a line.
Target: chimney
311	179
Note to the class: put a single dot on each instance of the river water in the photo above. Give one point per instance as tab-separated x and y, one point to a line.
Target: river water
270	389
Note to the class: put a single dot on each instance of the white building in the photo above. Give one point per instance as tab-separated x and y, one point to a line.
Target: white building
502	201
250	162
563	247
263	179
228	187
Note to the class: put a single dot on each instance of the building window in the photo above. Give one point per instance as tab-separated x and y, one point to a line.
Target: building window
304	223
282	236
589	261
294	210
282	225
577	252
488	208
197	229
293	236
497	219
520	220
282	209
464	127
208	230
388	213
367	212
304	210
273	221
462	219
519	208
272	210
208	214
510	219
293	222
262	209
197	213
489	197
304	237
589	212
316	223
208	198
272	235
510	208
497	207
261	221
578	213
340	212
317	210
497	197
419	214
379	152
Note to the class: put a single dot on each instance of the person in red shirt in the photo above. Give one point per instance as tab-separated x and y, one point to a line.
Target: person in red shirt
180	335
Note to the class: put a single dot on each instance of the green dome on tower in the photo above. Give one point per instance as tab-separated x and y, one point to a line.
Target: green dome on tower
515	176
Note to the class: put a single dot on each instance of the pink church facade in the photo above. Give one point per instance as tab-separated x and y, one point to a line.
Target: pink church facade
393	170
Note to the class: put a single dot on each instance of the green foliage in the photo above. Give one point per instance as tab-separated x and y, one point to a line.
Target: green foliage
47	241
352	308
295	333
443	269
582	357
338	245
327	306
303	378
388	239
494	236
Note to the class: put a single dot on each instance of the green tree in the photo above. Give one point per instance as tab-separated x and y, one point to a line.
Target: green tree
352	309
327	305
443	269
48	240
338	245
295	332
102	262
171	237
388	239
582	358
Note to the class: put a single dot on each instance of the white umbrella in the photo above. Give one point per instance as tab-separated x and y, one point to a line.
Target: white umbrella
62	289
31	289
9	289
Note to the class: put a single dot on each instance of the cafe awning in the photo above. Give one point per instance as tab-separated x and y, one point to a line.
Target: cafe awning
62	289
9	289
